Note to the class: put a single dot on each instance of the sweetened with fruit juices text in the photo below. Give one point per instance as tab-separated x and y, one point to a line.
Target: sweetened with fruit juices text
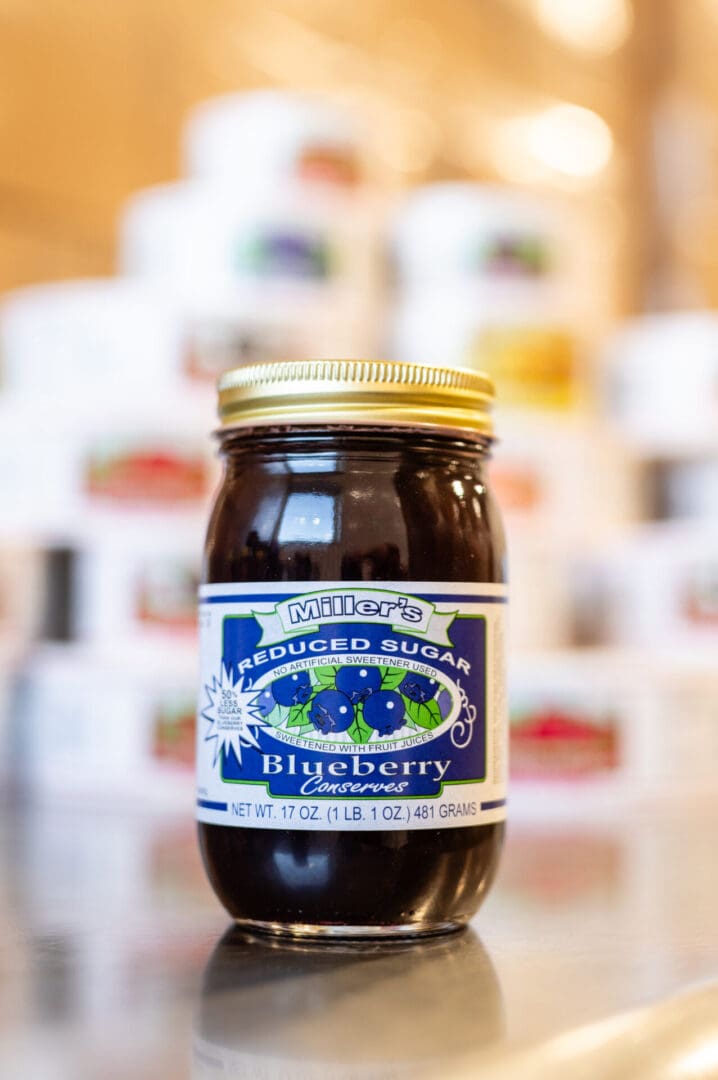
367	705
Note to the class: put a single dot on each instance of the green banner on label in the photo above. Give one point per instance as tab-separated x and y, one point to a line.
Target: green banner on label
304	614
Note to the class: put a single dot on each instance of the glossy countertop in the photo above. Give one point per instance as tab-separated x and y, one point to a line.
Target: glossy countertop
117	961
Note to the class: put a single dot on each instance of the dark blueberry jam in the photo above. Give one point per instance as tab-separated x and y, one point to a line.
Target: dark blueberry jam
354	504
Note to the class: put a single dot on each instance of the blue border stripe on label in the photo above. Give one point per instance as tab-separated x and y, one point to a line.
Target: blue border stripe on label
447	599
207	804
494	804
279	597
261	598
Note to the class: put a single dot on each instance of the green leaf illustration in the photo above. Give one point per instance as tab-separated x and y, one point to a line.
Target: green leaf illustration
360	731
425	714
433	707
391	677
298	715
325	676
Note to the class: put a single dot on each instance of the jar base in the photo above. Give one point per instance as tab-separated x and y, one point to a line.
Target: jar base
342	932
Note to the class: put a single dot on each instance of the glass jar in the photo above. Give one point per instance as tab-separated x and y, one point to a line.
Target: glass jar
352	720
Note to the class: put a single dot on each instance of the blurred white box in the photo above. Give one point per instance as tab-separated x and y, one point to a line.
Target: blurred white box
303	139
541	592
515	332
64	471
454	233
88	340
200	236
565	477
660	374
594	732
137	585
682	748
657	587
113	726
575	726
228	325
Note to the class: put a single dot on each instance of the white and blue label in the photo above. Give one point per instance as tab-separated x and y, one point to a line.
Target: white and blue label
342	705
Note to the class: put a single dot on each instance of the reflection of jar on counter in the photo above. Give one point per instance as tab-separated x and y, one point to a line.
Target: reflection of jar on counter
351	744
304	1012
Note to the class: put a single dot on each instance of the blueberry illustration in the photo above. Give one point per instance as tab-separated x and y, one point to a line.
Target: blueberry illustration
418	688
384	711
264	702
331	711
294	689
358	683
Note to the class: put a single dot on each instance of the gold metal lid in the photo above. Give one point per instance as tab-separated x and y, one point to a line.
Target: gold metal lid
385	392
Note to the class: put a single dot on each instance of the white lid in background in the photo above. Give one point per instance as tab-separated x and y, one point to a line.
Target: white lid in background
468	230
85	336
266	133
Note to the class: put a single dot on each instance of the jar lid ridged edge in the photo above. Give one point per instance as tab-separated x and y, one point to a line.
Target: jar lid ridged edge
389	372
347	390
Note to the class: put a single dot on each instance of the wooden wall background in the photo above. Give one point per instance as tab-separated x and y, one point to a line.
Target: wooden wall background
92	96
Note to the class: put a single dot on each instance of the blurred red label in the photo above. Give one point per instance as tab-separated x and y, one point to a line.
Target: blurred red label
148	476
516	488
328	165
174	735
555	744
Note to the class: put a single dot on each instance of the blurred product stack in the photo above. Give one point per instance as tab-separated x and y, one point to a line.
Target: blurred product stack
274	247
266	251
271	244
480	284
106	471
484	280
633	713
653	591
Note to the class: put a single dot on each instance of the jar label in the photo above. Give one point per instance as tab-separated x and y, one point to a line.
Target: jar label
341	705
